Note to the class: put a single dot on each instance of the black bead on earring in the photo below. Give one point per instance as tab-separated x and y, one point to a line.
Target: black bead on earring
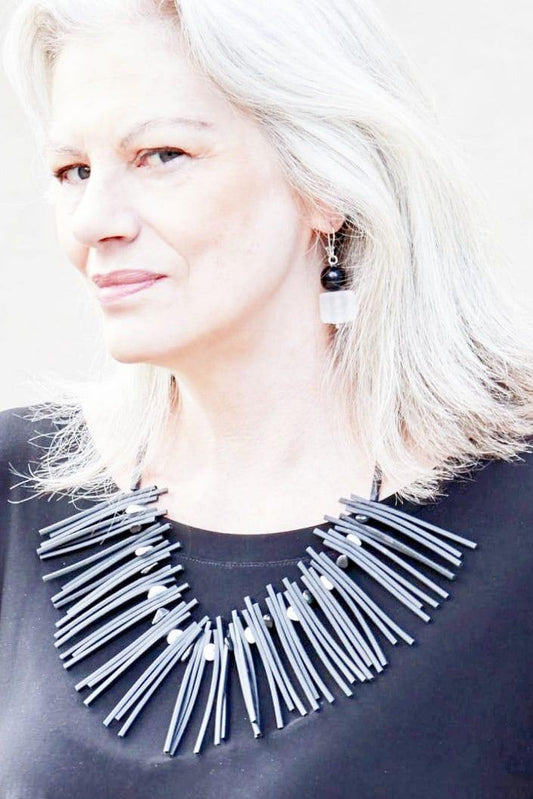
337	303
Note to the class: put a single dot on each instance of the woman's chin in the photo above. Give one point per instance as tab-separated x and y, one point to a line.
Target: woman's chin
127	352
126	357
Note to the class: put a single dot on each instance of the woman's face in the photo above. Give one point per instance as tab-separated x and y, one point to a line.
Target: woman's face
160	173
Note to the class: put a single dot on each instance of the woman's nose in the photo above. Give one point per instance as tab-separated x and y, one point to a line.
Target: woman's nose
104	212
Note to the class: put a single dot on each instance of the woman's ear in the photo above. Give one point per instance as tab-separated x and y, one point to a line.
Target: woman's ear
324	218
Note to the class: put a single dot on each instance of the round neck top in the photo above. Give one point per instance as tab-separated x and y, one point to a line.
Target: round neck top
257	548
449	716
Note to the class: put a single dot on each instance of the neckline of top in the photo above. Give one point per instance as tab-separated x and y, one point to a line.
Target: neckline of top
256	549
252	549
271	546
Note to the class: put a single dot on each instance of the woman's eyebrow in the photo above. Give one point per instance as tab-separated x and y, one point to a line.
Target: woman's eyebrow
199	124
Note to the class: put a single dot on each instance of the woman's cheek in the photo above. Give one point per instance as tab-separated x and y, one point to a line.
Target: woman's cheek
75	252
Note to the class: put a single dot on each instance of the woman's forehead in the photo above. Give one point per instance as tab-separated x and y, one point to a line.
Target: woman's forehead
105	77
130	55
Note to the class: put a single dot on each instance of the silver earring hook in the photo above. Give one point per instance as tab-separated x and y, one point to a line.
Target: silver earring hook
330	249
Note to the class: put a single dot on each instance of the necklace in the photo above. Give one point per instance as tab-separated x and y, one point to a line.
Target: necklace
131	580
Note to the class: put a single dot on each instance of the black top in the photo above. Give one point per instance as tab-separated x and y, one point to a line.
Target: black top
451	716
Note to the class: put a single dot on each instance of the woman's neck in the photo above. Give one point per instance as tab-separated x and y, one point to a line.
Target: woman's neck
253	444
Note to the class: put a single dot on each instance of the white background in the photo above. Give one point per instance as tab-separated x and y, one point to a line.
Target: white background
476	58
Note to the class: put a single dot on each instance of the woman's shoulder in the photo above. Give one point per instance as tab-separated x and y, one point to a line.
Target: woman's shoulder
507	481
16	420
492	499
19	425
24	433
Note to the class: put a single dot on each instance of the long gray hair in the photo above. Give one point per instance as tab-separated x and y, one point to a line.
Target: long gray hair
436	371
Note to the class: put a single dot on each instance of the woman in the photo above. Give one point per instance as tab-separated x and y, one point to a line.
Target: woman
297	296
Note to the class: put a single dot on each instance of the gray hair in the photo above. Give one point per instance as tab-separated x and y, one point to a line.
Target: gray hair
436	371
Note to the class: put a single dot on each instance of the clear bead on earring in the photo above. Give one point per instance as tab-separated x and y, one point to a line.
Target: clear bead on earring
337	303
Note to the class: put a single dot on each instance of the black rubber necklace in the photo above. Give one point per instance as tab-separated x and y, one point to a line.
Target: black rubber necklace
131	582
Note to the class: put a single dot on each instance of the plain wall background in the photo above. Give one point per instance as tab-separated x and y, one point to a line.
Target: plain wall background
476	58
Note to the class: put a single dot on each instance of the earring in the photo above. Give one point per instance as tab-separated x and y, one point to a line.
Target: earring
337	304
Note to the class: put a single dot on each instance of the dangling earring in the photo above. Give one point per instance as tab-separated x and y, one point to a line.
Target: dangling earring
337	304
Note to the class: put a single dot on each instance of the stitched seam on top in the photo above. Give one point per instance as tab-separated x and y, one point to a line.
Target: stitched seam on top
244	564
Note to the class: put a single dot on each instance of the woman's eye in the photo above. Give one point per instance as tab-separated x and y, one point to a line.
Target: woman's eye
165	154
77	169
77	173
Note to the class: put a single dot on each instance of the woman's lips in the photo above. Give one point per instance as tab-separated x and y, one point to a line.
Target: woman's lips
110	294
